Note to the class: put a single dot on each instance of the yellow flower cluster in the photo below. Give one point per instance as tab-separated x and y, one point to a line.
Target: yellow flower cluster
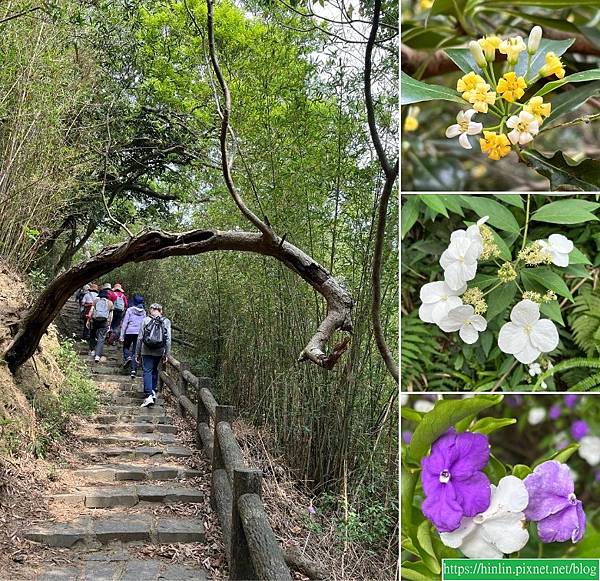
539	298
507	272
476	91
511	87
538	108
553	66
490	249
474	297
532	255
496	145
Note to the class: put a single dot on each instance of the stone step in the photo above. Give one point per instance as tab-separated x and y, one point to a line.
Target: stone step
114	378
133	418
122	568
128	438
137	428
112	472
102	368
134	410
128	496
86	530
122	400
141	452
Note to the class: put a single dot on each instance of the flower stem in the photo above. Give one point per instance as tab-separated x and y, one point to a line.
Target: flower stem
526	222
493	288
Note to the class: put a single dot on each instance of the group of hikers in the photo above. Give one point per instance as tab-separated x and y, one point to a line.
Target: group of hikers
109	317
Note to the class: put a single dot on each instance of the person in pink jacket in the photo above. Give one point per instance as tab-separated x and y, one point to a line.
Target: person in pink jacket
130	329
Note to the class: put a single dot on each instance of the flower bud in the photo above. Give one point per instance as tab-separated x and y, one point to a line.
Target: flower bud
477	53
535	36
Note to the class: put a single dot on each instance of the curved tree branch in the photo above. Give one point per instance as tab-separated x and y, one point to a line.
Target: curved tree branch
391	173
157	244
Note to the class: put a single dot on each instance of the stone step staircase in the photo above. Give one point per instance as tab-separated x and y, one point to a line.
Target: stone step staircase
131	462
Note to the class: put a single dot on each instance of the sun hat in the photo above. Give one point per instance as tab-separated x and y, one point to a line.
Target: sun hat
118	287
106	286
156	307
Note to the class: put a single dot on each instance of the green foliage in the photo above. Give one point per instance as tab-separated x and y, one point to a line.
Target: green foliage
584	320
419	346
77	396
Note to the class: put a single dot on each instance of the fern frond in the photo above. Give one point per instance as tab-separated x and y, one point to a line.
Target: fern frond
419	347
591	383
576	362
584	321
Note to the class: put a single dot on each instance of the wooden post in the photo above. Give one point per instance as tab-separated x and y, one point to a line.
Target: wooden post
223	413
182	387
203	415
245	481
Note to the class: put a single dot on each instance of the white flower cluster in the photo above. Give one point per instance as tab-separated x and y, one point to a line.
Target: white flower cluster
526	336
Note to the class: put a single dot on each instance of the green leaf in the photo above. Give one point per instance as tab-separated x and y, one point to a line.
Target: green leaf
538	60
500	299
408	482
442	417
567	212
554	4
578	257
463	59
571	100
502	246
495	470
521	471
548	279
582	77
417	571
410	414
435	202
563	171
484	281
489	425
512	199
414	91
552	310
409	214
499	216
588	546
560	456
427	553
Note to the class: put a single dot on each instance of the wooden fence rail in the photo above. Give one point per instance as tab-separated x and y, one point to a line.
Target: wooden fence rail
251	546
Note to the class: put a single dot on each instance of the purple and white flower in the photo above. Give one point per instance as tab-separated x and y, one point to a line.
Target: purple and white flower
526	336
571	400
536	415
553	504
579	429
453	481
497	531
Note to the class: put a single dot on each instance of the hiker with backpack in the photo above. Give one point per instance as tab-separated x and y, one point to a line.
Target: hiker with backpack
119	300
153	346
87	302
130	329
99	319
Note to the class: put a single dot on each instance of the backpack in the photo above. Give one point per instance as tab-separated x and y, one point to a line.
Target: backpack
155	334
119	303
100	314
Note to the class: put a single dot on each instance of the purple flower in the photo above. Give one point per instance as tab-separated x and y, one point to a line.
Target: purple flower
407	436
514	401
571	400
553	504
598	476
453	481
311	510
554	412
579	429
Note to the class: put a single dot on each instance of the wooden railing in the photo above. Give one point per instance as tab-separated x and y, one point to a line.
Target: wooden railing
251	546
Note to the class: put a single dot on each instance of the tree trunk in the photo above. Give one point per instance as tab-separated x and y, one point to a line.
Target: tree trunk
157	244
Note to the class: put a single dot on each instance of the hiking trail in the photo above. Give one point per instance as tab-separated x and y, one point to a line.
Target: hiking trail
122	489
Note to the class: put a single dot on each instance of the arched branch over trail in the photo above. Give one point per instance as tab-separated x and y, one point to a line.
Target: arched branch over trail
157	244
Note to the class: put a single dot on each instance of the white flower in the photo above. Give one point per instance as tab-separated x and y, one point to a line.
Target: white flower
459	261
403	399
589	449
464	320
535	369
438	300
497	531
544	385
558	247
536	416
526	336
423	406
464	127
524	127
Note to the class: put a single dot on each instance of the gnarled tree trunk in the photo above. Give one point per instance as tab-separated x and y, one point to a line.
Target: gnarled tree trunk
157	244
